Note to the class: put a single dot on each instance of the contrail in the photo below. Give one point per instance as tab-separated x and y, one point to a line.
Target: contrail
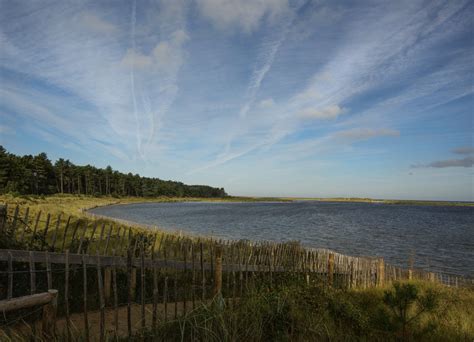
132	79
259	74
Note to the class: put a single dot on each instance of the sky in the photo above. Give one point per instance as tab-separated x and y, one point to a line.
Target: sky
264	98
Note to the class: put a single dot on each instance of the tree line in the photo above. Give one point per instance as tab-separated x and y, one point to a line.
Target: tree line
37	174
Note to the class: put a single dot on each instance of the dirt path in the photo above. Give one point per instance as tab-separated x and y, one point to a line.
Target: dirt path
77	319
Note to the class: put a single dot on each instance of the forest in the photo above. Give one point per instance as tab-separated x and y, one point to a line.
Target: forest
37	175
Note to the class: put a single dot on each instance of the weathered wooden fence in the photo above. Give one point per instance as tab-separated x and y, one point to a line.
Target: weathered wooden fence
150	276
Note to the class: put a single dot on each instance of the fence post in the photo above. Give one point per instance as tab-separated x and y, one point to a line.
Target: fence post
133	283
380	272
49	315
107	283
86	319
330	274
218	272
3	219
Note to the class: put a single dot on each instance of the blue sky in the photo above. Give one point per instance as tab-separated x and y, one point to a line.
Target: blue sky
269	98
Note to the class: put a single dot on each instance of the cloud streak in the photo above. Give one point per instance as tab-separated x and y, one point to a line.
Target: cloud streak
440	164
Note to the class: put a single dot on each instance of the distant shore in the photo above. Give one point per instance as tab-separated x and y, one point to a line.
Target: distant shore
77	204
382	201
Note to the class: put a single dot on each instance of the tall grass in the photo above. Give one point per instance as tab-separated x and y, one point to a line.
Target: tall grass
293	312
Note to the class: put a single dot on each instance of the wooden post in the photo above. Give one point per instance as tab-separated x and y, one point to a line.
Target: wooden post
352	275
49	315
26	302
100	238
49	273
79	249
142	283
45	233
91	238
193	280
15	220
25	224
114	278
129	299
432	277
165	298
65	233
218	272
10	276
66	296
380	273
55	236
185	252
107	283
3	219
133	284
106	248
74	232
410	274
101	299
86	320
155	291
330	275
203	274
36	227
175	287
32	274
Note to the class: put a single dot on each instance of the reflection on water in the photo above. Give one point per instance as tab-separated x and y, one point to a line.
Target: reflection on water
441	238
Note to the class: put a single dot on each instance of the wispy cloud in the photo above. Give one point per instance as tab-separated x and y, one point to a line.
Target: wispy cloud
245	14
93	22
464	150
463	162
192	90
330	112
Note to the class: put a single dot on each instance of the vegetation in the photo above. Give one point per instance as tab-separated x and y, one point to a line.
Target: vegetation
38	175
290	310
293	312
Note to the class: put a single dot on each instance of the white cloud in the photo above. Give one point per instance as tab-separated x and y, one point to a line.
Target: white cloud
136	60
166	56
365	133
330	112
95	23
267	103
243	14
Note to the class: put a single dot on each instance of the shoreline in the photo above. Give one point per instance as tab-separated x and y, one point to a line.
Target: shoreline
79	207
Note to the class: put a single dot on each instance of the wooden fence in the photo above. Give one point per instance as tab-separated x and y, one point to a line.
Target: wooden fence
109	267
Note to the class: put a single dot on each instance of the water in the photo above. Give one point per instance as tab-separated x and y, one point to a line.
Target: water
441	238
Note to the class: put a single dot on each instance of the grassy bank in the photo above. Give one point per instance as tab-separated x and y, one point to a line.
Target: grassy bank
75	204
43	219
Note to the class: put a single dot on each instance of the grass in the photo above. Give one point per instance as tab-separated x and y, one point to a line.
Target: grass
76	206
294	312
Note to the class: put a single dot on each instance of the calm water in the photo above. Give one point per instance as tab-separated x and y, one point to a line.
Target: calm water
441	238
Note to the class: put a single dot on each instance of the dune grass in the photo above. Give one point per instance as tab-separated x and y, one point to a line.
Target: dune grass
295	312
